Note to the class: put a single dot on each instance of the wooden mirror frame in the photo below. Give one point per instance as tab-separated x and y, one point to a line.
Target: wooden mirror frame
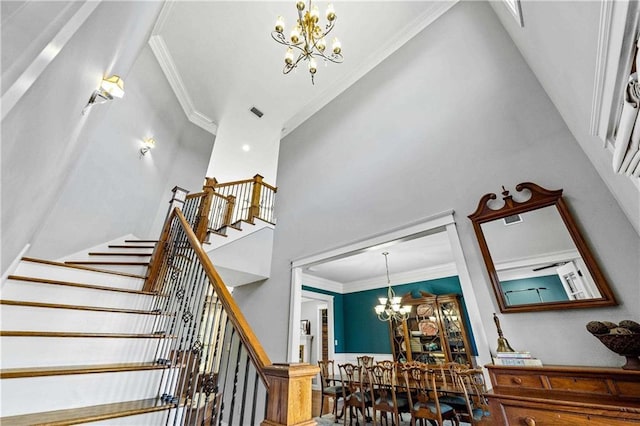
540	197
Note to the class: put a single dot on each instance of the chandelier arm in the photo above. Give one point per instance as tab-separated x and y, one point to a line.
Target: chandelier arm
280	38
288	67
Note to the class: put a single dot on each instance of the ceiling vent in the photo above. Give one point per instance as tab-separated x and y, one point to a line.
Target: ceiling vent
257	112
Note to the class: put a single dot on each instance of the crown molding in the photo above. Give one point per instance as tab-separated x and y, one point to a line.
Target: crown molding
403	35
408	277
322	283
168	66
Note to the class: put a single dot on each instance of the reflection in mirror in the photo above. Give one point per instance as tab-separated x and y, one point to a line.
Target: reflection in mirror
536	260
535	256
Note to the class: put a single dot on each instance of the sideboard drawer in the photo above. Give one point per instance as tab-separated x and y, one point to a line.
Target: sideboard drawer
531	381
527	416
580	384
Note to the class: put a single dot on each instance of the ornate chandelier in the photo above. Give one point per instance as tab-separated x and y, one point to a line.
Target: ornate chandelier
307	39
389	308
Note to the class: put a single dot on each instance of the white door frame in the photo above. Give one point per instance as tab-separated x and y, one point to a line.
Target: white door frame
328	300
442	220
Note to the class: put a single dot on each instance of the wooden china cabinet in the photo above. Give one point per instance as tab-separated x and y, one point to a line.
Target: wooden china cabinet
434	333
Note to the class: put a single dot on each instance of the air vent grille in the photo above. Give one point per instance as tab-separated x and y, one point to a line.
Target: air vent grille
257	112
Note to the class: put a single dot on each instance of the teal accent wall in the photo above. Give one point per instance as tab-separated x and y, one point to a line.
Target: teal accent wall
358	326
520	292
338	316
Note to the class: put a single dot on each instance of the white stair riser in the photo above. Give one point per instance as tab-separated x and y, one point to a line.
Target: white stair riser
24	352
113	258
232	234
61	273
27	318
36	394
127	269
50	293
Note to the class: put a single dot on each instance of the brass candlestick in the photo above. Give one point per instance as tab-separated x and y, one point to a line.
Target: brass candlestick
503	344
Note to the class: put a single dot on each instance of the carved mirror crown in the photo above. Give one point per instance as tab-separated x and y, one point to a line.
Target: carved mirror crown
535	255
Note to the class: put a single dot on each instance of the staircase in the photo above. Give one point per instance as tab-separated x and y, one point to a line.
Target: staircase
139	332
78	343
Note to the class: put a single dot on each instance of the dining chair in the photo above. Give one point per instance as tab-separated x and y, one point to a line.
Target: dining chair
424	403
355	396
365	361
330	388
387	363
384	394
472	384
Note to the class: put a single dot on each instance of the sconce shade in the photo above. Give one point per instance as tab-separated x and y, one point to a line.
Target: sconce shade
114	86
148	144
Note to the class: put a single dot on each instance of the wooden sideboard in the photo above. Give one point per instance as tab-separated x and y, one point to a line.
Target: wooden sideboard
563	395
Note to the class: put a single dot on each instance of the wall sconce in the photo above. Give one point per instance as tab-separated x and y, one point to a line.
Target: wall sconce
111	87
148	144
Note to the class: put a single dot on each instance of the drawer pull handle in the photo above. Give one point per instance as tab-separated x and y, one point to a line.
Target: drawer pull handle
516	380
530	421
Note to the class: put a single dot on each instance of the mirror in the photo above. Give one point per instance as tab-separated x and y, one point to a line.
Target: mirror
535	255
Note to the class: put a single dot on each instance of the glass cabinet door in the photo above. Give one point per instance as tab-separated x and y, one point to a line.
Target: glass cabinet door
454	335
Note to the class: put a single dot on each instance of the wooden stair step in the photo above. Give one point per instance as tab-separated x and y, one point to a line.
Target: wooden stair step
94	262
128	246
87	286
77	307
85	268
20	333
15	373
94	253
88	414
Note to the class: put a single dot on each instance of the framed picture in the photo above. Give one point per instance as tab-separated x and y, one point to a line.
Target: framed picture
305	327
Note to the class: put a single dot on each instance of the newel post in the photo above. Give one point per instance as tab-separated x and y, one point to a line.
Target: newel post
177	201
203	213
289	400
254	211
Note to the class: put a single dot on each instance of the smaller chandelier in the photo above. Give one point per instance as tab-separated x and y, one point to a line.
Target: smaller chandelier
389	308
307	39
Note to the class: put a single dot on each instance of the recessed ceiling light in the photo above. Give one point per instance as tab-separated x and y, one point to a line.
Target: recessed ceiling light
246	148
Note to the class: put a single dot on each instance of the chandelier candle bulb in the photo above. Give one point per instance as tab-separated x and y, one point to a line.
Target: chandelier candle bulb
295	35
280	24
337	46
288	57
331	12
315	13
313	66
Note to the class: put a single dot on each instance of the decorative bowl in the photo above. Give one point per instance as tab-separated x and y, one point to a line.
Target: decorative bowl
627	345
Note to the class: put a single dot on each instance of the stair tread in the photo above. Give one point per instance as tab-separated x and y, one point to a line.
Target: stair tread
97	262
98	253
77	307
82	285
86	268
127	246
24	333
88	414
14	373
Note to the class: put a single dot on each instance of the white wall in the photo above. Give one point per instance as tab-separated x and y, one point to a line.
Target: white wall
452	115
563	56
44	135
112	189
72	181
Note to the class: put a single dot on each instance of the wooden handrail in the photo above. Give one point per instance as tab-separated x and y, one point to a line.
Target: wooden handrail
249	339
196	195
237	182
155	263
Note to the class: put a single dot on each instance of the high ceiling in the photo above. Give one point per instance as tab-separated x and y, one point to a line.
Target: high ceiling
221	60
